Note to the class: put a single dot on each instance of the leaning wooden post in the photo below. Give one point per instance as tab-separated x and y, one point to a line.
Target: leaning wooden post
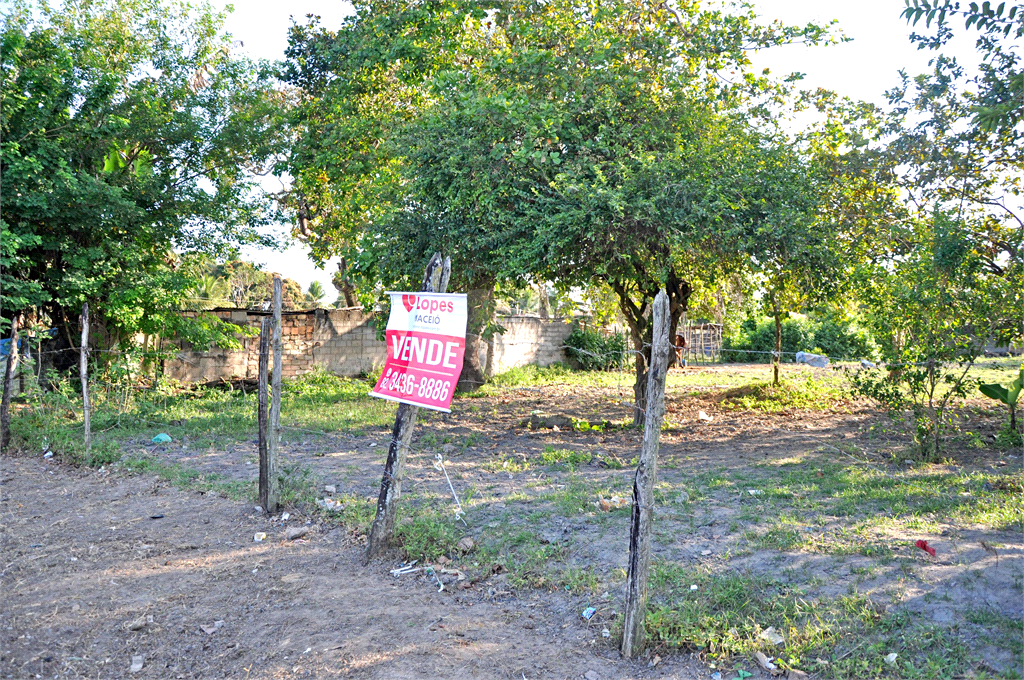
261	414
643	485
270	499
435	280
83	375
5	401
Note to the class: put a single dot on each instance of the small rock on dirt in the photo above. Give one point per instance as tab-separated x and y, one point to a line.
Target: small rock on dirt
466	544
137	624
794	674
591	675
295	532
330	488
448	449
137	663
683	497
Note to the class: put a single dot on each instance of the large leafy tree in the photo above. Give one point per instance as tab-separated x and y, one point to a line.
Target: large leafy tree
130	133
560	141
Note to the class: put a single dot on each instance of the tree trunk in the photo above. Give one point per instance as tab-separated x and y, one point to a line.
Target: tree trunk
480	303
640	327
679	292
83	375
544	302
5	401
778	339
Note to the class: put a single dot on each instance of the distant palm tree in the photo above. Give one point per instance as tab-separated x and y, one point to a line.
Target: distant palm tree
315	293
209	291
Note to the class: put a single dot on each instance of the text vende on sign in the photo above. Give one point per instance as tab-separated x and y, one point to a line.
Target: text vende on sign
426	343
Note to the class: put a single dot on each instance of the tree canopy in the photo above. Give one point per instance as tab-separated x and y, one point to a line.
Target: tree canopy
131	133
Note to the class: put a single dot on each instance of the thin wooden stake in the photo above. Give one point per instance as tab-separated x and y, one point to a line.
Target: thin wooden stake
261	414
5	401
83	375
435	279
271	498
643	484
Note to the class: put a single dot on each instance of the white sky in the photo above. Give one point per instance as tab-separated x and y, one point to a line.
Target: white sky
861	69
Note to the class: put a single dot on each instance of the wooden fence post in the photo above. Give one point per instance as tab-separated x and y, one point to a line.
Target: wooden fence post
643	485
5	401
435	280
274	436
261	413
83	375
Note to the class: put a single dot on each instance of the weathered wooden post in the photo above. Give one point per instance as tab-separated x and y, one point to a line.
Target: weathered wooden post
269	494
435	280
261	413
643	484
83	375
5	401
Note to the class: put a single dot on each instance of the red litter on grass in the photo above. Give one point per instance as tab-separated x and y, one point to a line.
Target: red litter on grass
923	545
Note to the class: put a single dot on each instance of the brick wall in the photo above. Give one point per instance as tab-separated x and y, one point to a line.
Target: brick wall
344	342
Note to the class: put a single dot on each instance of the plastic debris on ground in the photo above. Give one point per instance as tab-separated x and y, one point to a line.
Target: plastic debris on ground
923	545
285	517
613	503
588	613
605	633
813	360
705	553
701	415
259	537
162	438
137	663
772	636
330	488
693	587
755	492
48	454
864	363
890	658
330	504
716	676
765	662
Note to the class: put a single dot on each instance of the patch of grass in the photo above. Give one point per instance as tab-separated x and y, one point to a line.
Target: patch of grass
426	533
564	458
807	394
841	637
187	478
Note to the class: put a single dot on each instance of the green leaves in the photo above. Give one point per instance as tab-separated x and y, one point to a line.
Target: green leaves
130	132
1009	395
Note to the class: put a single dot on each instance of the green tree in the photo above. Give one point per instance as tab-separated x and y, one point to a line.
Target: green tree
130	131
934	307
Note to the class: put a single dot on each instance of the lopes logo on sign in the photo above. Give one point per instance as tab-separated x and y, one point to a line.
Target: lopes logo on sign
425	304
426	343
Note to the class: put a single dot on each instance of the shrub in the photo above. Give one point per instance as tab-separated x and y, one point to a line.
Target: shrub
594	351
838	339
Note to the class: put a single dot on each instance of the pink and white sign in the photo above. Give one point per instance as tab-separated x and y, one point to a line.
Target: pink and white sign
426	338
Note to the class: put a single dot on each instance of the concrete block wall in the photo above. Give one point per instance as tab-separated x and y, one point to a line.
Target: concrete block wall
344	342
529	340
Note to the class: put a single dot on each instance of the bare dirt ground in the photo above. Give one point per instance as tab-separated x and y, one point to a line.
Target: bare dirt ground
90	580
84	564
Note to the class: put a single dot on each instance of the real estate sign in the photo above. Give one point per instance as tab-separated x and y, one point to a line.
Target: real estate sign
426	338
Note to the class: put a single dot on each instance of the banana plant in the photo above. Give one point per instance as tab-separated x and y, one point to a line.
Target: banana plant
1008	395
